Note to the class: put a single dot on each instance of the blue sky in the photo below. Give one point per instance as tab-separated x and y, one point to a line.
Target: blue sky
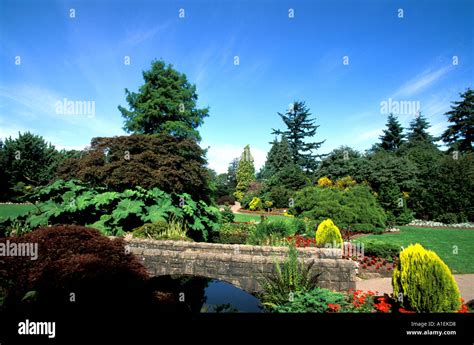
282	59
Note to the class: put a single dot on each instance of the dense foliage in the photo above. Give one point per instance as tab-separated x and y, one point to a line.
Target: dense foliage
424	283
318	300
346	207
392	137
343	161
73	259
245	173
275	231
113	213
290	277
173	230
381	249
165	104
164	162
230	233
26	162
460	133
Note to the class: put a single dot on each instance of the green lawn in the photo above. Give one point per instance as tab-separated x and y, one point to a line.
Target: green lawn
443	241
250	217
13	210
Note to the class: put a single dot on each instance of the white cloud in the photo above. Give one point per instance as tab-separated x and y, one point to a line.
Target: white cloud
421	81
368	135
437	128
220	155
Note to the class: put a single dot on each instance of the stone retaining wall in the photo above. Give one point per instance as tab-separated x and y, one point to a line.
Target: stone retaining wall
239	265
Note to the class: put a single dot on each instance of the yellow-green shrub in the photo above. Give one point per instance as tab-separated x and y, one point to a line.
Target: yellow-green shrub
328	233
255	204
424	283
324	182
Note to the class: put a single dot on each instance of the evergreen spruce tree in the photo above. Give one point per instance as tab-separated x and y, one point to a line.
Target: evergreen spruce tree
278	158
418	130
392	137
301	127
460	134
166	103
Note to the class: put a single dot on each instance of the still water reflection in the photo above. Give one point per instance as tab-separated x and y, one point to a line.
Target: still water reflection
202	295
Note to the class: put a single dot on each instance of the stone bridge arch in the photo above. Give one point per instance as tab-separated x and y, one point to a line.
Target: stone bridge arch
238	265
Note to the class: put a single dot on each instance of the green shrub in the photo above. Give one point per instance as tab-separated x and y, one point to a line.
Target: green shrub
289	277
227	215
381	249
247	199
161	230
233	233
298	225
424	283
365	228
150	230
451	218
328	234
348	207
313	301
272	231
401	216
114	213
256	204
280	196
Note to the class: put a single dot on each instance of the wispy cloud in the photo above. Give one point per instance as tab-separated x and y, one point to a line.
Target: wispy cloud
32	97
139	36
421	81
370	134
33	104
437	105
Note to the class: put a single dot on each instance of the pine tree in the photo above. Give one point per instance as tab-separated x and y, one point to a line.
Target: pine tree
245	173
393	136
418	130
460	134
278	158
300	127
166	103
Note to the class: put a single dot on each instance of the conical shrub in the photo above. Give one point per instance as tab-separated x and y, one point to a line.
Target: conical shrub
328	233
423	282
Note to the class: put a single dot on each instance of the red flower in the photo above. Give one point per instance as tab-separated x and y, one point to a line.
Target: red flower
464	308
404	311
334	307
382	306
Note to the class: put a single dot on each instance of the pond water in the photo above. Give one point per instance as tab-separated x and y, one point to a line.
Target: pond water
204	295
